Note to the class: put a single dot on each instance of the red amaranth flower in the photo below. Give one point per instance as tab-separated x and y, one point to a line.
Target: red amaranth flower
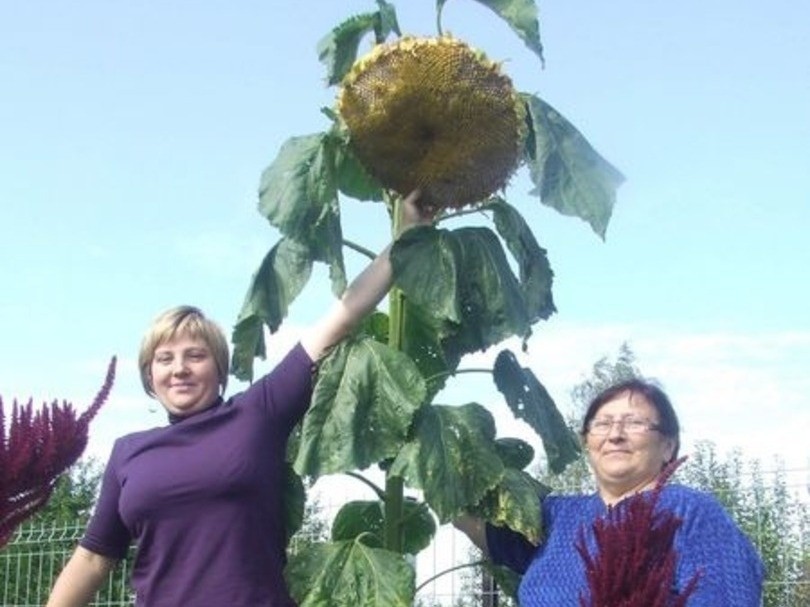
39	447
634	565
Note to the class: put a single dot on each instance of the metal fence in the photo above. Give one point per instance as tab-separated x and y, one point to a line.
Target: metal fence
31	561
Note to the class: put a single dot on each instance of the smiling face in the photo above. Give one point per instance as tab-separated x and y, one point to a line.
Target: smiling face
184	375
625	460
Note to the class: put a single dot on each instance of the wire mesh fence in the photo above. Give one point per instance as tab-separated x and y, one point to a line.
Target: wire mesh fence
30	563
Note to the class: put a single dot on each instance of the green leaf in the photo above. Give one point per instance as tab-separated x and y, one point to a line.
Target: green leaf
352	178
514	452
387	21
367	517
375	325
363	403
350	574
452	458
426	263
281	276
521	15
298	195
421	341
464	279
516	503
294	501
531	402
338	49
535	270
568	173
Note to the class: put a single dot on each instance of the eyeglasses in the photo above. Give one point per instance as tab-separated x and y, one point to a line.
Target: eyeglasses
631	425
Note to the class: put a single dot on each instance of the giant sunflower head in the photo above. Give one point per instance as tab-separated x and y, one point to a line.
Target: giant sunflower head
433	114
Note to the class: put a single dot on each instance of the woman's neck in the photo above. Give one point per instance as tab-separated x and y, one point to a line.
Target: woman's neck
612	494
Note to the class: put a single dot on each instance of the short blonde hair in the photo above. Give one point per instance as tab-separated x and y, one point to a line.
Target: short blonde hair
187	321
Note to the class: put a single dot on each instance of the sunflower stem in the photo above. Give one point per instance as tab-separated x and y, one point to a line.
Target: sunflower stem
394	486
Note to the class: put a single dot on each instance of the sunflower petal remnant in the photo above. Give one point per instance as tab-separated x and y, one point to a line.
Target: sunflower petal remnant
435	114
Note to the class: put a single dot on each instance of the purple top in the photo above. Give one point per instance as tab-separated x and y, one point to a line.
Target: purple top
202	498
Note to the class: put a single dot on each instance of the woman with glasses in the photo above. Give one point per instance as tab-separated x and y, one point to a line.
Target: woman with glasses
630	433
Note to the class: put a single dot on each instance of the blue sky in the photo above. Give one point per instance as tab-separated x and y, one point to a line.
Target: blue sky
133	134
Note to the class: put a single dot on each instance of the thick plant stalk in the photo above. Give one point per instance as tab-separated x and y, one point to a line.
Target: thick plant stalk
37	449
635	561
394	485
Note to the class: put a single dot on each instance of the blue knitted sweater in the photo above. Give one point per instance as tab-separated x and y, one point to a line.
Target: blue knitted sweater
707	541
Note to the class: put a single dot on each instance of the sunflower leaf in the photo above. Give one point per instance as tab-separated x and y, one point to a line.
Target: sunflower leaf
535	270
520	15
421	341
349	573
363	402
464	279
352	177
452	457
367	517
338	49
568	174
514	452
531	402
298	195
388	23
515	503
282	275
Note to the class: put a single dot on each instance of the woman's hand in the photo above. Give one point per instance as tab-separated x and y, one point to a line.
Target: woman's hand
414	214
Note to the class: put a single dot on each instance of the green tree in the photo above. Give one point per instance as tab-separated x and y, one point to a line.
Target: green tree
456	293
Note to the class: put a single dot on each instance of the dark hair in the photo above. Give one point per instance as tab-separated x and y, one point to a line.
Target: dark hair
668	420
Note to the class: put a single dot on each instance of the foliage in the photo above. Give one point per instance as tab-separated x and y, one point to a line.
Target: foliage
455	293
38	447
605	373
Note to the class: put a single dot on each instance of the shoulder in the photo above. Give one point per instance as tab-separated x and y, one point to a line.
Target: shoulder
701	512
682	498
296	362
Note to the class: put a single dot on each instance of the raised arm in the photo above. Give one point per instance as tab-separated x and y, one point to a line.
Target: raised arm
81	578
363	294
